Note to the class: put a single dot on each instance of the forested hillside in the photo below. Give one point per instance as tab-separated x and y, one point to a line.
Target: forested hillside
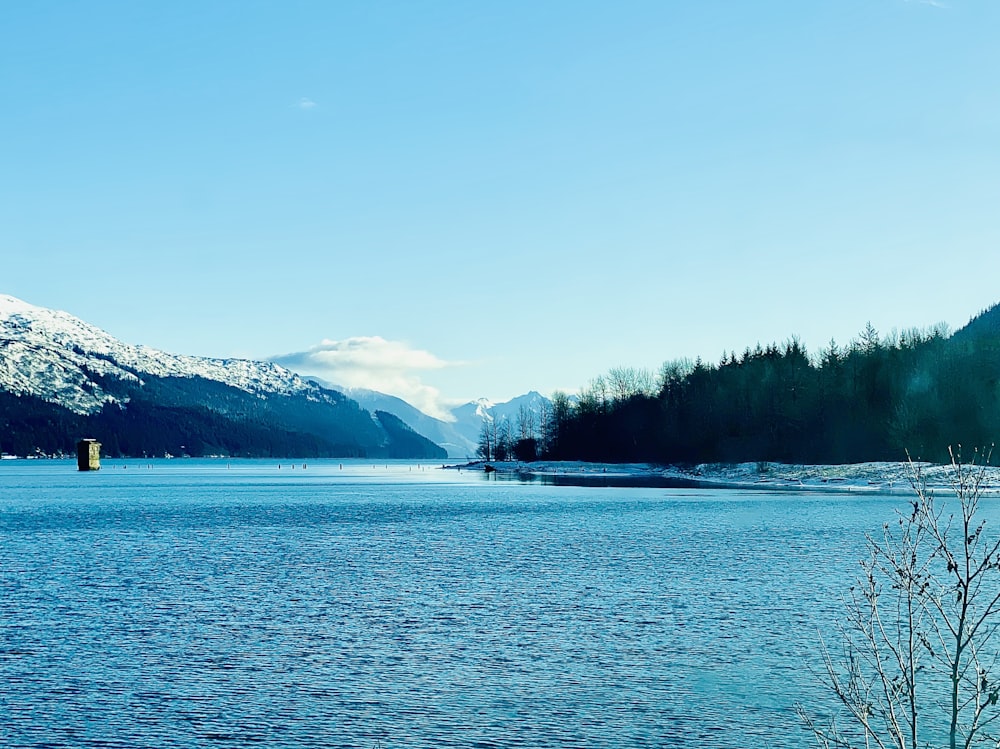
62	378
873	399
198	417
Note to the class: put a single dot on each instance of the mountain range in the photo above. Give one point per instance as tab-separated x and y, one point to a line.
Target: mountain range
62	378
460	434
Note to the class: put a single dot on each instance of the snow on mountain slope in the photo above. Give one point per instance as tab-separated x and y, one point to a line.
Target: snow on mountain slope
440	432
470	416
55	356
459	437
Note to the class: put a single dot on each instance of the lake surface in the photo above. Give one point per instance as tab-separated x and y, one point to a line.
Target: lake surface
220	603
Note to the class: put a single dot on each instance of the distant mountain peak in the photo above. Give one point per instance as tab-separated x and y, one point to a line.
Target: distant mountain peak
458	435
483	407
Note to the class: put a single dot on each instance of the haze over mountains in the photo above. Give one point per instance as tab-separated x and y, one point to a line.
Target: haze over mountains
460	436
61	378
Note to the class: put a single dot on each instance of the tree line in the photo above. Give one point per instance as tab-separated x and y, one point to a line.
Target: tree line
872	399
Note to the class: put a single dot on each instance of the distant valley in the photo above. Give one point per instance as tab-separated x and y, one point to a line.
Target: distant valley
460	437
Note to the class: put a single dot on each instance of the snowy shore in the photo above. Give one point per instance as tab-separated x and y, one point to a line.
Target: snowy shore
855	477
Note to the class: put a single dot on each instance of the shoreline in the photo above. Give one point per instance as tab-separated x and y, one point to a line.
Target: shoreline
874	477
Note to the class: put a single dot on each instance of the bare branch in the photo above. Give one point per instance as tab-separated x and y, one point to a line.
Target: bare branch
921	655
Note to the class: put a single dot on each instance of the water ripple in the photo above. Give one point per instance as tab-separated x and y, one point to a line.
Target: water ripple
207	612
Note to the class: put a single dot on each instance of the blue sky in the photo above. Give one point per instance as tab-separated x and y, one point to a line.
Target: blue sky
463	199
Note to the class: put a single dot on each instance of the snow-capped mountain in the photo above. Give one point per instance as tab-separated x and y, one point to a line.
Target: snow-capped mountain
469	417
55	356
61	377
460	436
438	431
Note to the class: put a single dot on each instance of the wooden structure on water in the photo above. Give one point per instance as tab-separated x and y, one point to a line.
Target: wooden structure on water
88	455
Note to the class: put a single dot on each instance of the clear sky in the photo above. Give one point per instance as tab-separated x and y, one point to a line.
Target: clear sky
463	199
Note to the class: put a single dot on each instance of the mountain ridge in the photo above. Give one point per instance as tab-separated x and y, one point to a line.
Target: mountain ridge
459	437
92	381
27	331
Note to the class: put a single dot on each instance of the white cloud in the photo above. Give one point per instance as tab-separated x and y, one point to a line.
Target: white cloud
933	3
374	363
306	103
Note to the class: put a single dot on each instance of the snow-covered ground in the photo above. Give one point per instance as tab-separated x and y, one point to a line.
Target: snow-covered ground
855	477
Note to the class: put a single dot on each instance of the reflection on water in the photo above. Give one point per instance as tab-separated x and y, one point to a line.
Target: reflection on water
201	604
604	480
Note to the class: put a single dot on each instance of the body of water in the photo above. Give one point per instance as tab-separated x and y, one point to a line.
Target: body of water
224	604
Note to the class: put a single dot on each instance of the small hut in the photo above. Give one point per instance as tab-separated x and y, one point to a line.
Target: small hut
88	455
